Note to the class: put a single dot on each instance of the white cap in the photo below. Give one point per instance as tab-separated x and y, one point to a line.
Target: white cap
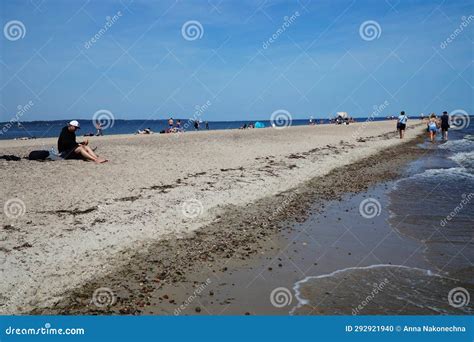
74	123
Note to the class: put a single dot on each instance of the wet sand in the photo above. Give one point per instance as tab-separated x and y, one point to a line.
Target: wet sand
231	265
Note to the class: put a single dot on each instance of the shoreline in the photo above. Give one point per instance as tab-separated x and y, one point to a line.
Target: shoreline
147	281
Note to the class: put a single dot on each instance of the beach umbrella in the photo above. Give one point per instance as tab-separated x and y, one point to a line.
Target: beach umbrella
259	124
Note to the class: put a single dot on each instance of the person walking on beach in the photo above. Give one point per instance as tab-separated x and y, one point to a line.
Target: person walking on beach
69	149
445	125
432	127
402	124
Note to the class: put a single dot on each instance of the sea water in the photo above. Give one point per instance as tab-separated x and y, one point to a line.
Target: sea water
432	207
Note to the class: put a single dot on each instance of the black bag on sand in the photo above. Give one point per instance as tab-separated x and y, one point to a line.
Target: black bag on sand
38	155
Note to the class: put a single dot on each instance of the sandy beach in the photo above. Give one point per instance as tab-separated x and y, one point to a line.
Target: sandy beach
80	221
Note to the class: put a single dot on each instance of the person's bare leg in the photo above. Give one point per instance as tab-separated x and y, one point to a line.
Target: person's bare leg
89	150
97	159
83	152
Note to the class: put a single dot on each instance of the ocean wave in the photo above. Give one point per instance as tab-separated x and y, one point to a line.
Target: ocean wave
303	301
452	172
465	159
469	137
461	145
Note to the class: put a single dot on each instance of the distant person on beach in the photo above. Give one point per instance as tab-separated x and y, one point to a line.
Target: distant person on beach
207	125
145	131
170	123
402	124
432	127
69	149
100	130
196	125
445	125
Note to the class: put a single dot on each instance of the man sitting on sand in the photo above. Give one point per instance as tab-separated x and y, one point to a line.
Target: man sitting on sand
69	149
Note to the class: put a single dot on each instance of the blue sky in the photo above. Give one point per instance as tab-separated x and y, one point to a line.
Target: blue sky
143	68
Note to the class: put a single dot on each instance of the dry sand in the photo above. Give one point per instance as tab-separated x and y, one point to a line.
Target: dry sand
84	220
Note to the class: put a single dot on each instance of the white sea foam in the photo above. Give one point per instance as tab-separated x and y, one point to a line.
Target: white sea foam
458	145
465	159
303	301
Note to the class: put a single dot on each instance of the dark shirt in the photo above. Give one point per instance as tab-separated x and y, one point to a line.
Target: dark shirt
445	120
67	140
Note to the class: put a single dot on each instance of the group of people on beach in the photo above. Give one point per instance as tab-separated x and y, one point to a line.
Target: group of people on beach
433	125
177	127
69	148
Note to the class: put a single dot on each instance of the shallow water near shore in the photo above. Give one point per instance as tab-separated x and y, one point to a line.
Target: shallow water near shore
431	206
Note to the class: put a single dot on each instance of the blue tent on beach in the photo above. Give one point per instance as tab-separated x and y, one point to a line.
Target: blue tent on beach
259	124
